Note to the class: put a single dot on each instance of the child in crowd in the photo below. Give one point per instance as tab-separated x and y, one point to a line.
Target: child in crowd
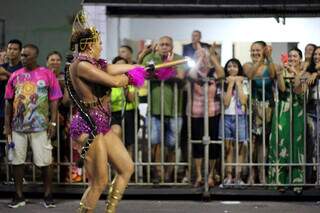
235	118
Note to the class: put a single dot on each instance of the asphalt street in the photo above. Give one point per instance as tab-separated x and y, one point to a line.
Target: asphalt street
147	206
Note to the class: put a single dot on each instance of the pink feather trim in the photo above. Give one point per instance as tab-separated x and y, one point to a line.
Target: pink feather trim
165	73
137	76
103	63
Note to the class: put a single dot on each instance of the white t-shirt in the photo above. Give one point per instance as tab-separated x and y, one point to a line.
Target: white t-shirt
235	101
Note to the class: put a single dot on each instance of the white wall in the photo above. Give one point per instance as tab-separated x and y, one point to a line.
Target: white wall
97	17
227	31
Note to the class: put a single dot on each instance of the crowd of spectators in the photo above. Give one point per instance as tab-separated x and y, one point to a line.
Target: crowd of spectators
34	103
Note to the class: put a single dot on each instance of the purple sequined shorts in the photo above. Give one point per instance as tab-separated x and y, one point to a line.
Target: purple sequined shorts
80	126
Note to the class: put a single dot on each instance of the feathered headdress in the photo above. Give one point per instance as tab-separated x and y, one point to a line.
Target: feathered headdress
81	24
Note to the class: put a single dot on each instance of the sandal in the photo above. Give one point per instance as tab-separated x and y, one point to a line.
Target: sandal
211	182
198	183
281	189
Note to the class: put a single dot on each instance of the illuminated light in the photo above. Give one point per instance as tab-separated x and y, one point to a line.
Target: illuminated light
190	62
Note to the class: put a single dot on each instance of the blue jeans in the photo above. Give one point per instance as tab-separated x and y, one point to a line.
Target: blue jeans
230	131
169	124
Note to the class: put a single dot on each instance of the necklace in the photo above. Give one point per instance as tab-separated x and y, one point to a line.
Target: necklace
101	63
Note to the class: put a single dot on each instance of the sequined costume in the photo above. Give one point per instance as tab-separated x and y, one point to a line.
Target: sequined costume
99	114
93	116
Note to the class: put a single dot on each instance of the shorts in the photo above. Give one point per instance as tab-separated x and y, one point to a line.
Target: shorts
40	145
230	130
169	130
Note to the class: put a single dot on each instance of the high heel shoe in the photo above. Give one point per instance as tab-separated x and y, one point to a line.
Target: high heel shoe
83	208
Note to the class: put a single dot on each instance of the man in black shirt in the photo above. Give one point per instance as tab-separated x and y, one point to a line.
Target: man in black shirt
190	49
13	56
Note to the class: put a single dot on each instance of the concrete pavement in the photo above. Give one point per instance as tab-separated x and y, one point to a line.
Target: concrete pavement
150	206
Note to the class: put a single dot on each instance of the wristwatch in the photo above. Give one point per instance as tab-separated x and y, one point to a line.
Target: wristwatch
53	124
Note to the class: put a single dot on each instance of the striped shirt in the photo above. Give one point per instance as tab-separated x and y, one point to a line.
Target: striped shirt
198	99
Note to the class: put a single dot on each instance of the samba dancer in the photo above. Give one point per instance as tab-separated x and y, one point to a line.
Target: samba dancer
89	80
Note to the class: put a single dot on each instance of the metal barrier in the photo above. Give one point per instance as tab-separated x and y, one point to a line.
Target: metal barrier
144	164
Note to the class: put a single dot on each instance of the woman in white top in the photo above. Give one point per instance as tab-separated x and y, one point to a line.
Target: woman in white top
235	117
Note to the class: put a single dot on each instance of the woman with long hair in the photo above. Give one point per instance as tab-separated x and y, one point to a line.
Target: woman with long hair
313	116
287	136
89	80
261	70
202	70
235	103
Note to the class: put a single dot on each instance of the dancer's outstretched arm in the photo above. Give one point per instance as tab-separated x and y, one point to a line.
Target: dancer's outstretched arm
91	73
116	69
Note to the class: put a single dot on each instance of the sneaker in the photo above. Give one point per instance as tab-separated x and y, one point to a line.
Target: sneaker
48	202
227	182
185	179
17	202
240	184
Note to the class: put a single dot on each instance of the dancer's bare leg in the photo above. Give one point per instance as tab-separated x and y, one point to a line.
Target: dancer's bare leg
131	151
121	161
117	130
97	170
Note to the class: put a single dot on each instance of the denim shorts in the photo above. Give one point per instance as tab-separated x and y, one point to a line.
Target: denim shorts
230	130
169	130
